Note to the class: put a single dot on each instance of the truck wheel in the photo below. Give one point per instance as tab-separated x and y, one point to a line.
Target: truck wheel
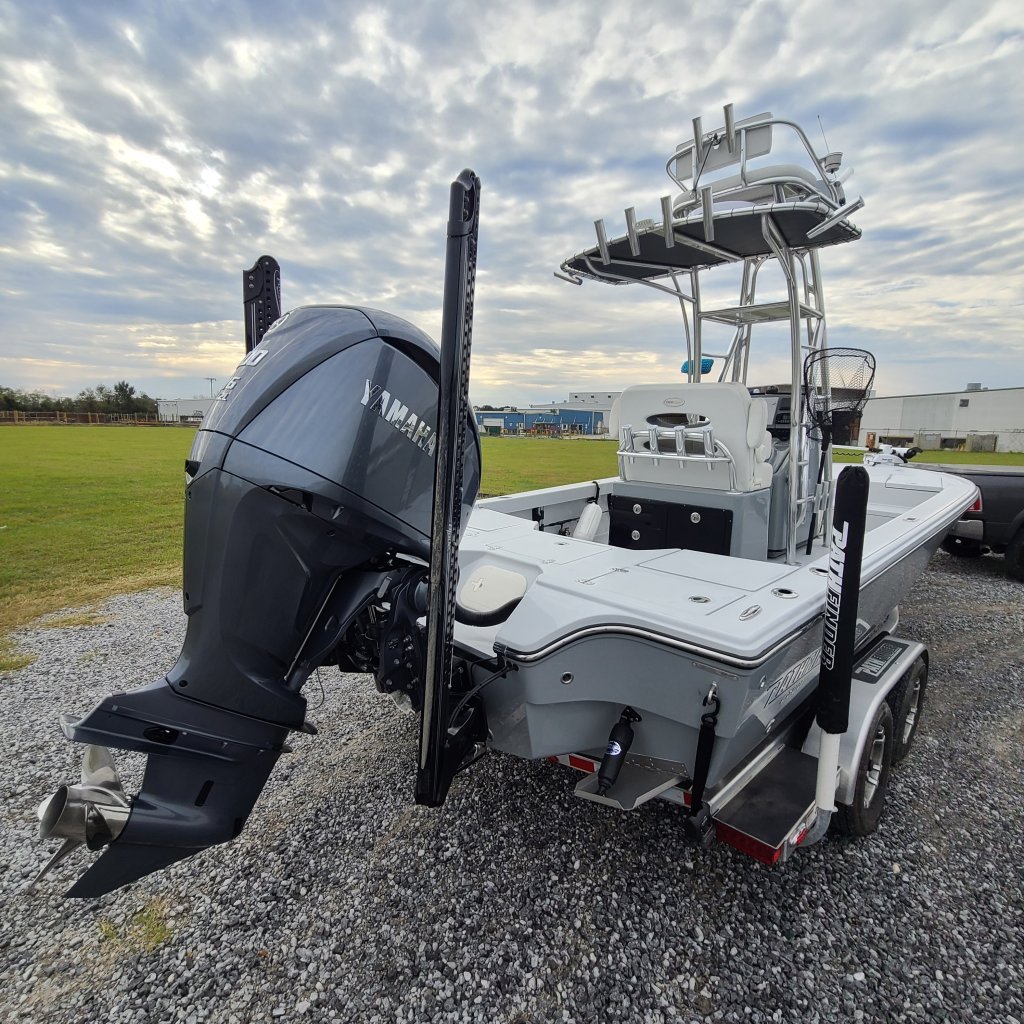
962	547
1015	556
860	818
906	701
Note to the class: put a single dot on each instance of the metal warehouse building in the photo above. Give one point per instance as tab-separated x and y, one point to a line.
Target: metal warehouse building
545	420
584	412
976	419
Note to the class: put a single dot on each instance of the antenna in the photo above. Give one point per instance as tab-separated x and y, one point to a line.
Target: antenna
828	149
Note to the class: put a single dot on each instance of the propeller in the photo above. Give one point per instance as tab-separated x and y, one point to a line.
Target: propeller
93	813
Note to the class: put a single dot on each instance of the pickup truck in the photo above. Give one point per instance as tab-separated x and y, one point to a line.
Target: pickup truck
995	521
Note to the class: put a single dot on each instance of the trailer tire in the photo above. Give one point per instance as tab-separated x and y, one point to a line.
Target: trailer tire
1015	556
962	547
906	701
861	817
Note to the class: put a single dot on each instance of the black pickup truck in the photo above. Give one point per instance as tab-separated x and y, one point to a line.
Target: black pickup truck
996	520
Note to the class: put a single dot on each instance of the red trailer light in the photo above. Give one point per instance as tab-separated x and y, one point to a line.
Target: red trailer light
978	505
747	844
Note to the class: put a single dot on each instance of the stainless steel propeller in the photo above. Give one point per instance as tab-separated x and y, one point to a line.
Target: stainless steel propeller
93	813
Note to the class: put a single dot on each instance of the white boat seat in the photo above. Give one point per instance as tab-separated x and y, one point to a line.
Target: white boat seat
489	595
613	418
737	423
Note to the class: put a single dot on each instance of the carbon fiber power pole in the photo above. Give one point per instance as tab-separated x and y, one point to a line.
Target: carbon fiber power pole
261	298
439	753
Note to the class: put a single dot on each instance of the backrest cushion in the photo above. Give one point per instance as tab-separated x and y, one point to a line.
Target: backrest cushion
738	422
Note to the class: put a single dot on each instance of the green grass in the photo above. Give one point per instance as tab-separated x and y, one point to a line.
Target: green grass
145	930
87	512
953	458
525	463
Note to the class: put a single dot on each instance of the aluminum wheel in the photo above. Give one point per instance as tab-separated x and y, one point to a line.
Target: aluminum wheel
908	700
861	815
915	703
875	765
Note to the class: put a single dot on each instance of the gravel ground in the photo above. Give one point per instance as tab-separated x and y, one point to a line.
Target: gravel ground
517	903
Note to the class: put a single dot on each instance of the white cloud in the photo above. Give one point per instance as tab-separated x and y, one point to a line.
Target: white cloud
145	162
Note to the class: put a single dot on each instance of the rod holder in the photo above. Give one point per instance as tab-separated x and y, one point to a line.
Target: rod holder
840	215
730	128
602	242
698	144
707	206
666	215
634	238
567	277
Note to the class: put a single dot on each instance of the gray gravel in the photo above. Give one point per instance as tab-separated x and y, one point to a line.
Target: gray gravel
516	902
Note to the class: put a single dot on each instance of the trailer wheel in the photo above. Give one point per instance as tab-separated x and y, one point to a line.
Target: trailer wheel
906	700
1015	556
962	547
860	818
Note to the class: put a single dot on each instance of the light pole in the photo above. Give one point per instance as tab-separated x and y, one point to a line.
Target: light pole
211	380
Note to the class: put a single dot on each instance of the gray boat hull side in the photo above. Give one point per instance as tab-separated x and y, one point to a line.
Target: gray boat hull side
535	713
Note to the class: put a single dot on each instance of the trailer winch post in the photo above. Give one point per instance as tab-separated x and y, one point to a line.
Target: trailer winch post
839	637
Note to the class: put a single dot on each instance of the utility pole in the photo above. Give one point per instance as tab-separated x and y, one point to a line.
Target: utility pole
211	380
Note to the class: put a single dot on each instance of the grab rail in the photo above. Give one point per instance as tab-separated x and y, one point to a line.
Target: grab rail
740	148
713	452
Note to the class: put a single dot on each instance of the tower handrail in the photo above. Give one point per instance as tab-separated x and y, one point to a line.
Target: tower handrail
750	139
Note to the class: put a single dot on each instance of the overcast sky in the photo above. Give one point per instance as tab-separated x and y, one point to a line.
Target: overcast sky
150	151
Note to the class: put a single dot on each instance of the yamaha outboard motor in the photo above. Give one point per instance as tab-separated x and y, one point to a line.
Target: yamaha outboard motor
307	536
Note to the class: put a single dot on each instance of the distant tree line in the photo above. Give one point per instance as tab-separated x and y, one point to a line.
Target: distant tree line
122	397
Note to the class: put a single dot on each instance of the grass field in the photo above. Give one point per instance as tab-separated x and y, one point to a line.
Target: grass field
956	458
522	463
87	512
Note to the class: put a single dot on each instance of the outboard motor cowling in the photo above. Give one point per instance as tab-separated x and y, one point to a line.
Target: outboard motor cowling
309	488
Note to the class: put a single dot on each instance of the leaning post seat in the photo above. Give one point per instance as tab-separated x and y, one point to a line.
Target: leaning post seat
695	470
711	436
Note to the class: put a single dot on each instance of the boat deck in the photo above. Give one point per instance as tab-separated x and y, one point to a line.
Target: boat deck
736	607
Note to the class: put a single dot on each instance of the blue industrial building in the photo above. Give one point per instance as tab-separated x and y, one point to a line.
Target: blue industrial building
542	421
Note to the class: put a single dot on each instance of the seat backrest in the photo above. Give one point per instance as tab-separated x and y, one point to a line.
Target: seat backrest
737	425
613	417
757	132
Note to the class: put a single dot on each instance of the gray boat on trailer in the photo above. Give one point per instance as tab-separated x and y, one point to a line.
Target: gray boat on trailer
704	573
713	626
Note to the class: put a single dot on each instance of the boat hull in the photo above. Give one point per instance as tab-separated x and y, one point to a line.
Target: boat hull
567	697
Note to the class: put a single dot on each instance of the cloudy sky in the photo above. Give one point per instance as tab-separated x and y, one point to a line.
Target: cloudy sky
150	151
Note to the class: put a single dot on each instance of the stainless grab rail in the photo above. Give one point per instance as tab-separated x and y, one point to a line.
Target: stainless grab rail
713	452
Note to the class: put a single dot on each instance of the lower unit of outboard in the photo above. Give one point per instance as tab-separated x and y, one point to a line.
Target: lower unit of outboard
308	500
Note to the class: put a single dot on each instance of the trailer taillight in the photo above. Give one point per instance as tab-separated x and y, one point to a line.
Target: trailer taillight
978	506
756	848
